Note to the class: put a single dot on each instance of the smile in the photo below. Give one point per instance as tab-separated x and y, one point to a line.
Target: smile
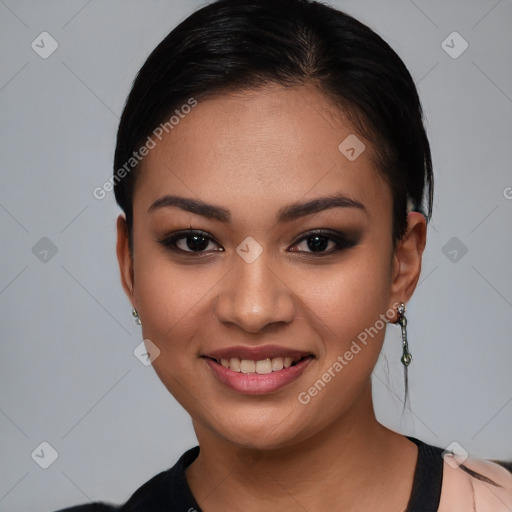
261	367
254	374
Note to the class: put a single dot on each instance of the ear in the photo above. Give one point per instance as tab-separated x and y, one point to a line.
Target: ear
407	259
124	258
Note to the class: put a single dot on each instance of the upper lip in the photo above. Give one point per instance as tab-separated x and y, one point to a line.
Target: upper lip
257	353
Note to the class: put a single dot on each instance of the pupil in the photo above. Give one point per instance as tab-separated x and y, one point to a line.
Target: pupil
197	242
317	243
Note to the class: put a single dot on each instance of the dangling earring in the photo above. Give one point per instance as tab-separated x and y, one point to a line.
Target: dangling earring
136	316
406	355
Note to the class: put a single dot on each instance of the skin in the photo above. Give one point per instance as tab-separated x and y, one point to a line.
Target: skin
253	153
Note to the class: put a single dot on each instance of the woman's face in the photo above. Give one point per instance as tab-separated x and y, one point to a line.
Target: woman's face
296	261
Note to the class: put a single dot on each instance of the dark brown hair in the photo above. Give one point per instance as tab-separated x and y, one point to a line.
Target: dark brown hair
234	45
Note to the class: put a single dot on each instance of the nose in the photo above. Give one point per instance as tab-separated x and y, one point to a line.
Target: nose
254	297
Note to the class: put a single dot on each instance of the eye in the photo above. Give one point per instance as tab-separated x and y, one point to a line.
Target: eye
324	242
191	241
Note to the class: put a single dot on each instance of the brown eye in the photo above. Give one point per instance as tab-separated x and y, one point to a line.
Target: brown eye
318	243
324	243
191	242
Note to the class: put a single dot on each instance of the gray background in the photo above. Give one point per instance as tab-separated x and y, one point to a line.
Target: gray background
68	375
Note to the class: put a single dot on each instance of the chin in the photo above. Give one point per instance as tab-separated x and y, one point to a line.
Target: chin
260	428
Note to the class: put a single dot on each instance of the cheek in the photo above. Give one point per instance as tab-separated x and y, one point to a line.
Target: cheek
348	298
172	299
170	295
348	308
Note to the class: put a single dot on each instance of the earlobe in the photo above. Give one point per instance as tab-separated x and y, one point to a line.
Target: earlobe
407	258
124	257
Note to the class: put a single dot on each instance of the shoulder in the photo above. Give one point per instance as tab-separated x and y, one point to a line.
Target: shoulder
476	484
167	490
148	494
91	507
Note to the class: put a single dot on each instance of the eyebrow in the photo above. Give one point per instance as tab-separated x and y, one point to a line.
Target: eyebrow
285	214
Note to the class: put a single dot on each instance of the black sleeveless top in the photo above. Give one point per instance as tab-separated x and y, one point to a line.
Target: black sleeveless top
169	491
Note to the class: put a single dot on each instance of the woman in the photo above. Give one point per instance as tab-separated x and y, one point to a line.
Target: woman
272	166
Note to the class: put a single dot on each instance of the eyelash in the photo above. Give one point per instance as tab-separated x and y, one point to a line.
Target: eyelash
342	241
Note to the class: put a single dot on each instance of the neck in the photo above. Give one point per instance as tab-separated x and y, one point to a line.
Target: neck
351	464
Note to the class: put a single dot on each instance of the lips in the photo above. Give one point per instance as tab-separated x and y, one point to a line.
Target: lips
257	370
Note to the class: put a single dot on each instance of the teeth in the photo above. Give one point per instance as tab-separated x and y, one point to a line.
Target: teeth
261	367
277	364
247	366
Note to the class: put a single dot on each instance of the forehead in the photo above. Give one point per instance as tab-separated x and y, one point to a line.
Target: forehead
271	143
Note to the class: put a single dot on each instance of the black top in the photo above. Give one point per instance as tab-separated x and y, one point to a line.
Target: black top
169	491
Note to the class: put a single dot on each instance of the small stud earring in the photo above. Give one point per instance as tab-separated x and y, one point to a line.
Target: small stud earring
136	316
406	356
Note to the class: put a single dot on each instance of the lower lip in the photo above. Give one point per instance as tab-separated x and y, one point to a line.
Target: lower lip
254	383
